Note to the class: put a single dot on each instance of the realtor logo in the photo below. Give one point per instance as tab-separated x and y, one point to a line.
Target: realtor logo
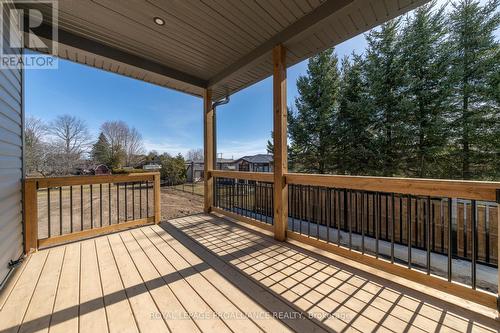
31	24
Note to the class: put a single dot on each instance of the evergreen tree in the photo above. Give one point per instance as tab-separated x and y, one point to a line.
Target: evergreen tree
311	124
384	72
474	68
425	55
354	125
270	145
101	150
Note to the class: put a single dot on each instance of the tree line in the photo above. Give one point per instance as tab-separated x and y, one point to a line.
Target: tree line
64	146
423	100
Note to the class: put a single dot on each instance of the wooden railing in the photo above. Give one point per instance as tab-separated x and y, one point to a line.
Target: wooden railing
443	233
63	209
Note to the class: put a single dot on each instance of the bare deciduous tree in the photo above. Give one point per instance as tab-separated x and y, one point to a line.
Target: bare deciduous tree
125	143
36	147
71	134
194	154
71	140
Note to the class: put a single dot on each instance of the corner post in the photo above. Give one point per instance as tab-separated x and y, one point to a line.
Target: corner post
208	151
30	203
498	249
280	143
157	197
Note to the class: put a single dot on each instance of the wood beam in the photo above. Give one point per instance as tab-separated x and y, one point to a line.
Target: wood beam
295	30
280	143
100	49
498	255
208	148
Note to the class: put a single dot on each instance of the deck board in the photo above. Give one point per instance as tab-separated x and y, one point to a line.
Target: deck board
205	274
65	318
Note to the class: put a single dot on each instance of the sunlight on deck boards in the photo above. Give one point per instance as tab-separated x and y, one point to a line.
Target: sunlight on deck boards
204	273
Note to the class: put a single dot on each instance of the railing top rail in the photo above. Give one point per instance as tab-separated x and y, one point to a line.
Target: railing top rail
463	189
47	182
257	176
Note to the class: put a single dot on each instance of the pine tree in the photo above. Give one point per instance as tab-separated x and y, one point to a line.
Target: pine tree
474	67
354	133
101	151
425	56
311	124
384	72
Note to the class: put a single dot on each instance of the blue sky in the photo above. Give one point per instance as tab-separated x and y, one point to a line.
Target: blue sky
169	121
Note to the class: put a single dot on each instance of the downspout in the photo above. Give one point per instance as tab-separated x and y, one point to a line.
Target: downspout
223	101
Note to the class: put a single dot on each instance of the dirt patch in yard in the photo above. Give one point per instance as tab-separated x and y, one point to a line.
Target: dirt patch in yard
175	203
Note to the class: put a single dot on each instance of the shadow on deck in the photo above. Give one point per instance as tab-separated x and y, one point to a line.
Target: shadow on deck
205	273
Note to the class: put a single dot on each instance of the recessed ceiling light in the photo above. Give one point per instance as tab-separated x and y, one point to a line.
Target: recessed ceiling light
159	21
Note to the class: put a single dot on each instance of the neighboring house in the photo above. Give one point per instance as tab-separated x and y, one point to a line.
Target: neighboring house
92	169
151	167
255	163
101	169
195	169
252	163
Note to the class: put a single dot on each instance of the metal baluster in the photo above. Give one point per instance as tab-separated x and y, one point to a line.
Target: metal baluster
465	228
417	215
91	208
81	207
336	201
386	217
126	203
48	212
363	222
140	198
450	211
347	206
60	211
147	199
318	200
329	216
474	242
71	209
356	229
308	211
393	226
109	204
118	203
428	234
133	201
376	203
408	224
401	219
100	203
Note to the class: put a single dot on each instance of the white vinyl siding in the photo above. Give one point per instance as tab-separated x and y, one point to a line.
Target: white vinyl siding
11	166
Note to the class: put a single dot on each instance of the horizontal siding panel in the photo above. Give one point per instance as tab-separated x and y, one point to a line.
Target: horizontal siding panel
8	149
9	162
10	137
9	100
12	88
10	187
11	113
9	124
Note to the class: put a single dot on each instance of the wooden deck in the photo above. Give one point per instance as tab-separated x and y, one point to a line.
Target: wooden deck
204	273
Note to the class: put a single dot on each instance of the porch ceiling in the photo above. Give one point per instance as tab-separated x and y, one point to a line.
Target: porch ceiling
221	44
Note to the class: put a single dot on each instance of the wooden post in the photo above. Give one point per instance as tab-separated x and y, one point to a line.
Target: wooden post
498	254
280	143
30	204
208	145
157	198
